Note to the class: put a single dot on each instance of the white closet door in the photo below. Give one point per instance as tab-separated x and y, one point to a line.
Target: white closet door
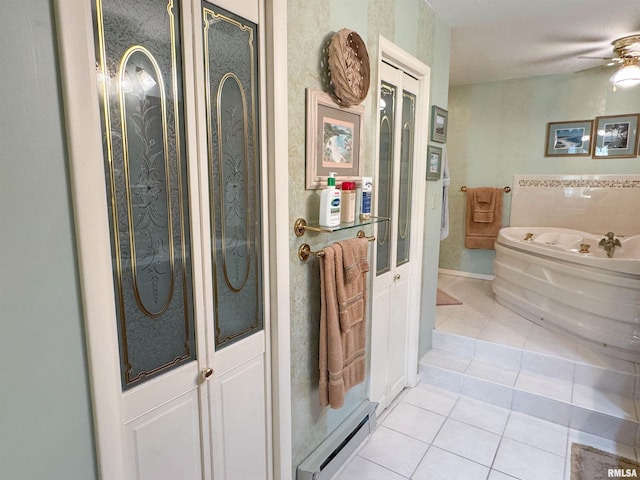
394	260
181	213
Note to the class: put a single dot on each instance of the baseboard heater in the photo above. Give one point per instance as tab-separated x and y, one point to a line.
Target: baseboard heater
332	453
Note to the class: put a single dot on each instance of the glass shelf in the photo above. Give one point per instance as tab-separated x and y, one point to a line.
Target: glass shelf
300	226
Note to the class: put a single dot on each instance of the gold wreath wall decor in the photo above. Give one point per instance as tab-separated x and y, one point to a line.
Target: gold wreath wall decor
349	67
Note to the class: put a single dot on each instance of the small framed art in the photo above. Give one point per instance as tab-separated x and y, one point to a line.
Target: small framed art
439	120
569	138
616	136
434	162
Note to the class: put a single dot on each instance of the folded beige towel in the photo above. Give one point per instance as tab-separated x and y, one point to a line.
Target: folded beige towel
483	233
484	201
343	270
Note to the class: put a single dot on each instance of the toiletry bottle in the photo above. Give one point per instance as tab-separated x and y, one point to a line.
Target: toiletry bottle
348	202
330	203
365	201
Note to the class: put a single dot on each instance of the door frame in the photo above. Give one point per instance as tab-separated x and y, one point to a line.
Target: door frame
75	43
390	53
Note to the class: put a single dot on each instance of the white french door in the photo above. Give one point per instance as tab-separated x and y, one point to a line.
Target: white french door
184	295
235	287
395	258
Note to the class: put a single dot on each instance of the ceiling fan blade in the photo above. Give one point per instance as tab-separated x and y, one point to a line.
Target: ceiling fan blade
597	67
611	59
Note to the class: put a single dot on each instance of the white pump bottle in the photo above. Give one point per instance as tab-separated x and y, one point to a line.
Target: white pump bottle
330	203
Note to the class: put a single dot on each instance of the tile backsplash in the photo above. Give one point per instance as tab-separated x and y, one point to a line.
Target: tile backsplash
590	203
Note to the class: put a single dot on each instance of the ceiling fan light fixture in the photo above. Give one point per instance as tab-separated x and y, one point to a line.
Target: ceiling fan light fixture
626	76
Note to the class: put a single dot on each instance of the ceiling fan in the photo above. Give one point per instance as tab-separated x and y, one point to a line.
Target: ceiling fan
626	53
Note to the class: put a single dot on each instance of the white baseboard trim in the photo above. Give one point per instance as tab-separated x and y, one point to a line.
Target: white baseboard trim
458	273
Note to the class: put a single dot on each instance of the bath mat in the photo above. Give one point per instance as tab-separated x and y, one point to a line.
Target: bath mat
443	298
588	463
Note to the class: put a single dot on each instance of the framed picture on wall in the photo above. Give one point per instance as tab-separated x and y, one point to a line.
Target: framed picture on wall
616	136
569	138
334	140
439	119
434	162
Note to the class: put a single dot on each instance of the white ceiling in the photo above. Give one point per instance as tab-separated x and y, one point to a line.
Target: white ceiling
502	39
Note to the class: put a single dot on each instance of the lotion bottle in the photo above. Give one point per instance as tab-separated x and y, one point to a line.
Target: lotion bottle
348	202
365	199
330	203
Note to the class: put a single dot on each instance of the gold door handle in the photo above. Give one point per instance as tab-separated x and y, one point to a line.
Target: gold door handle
206	373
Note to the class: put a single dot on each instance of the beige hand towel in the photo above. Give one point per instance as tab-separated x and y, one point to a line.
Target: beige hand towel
343	270
330	354
351	287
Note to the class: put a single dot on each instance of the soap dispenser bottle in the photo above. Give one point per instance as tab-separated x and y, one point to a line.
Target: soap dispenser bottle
330	203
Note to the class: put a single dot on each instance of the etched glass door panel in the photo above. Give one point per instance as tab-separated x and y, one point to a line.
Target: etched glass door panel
406	177
385	169
139	70
234	173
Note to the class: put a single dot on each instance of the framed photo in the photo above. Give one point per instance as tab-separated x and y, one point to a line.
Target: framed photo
438	124
569	138
616	136
434	162
334	140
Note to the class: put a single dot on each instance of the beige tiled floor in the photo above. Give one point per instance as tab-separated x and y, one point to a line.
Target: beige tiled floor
430	434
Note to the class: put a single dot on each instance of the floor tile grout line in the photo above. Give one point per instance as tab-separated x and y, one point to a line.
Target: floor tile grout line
495	455
567	452
501	435
422	458
449	417
429	444
435	436
385	467
452	453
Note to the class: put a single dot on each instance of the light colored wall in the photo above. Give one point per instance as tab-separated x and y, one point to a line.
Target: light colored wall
44	379
45	410
498	129
414	27
433	212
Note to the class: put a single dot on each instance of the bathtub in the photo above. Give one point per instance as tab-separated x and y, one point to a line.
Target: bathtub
593	299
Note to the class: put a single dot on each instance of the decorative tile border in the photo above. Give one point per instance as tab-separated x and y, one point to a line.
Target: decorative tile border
588	203
580	183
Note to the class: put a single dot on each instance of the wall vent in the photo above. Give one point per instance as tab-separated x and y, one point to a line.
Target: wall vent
337	448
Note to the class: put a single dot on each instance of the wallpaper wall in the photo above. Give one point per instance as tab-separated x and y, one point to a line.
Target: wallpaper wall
498	129
412	26
46	426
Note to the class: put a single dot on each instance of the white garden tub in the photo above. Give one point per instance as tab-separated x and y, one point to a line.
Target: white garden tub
591	298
